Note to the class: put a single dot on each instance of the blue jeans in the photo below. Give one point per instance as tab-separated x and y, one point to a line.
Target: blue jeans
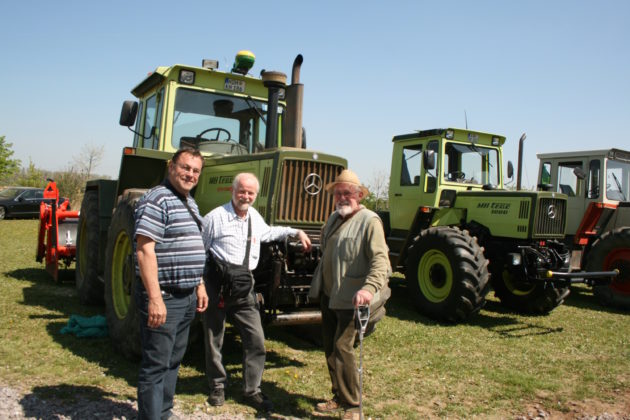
163	349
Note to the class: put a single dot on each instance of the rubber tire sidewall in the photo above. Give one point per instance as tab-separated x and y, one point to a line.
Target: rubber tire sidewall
469	272
542	298
124	329
88	285
596	261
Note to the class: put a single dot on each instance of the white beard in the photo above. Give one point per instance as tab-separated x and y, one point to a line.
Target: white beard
344	210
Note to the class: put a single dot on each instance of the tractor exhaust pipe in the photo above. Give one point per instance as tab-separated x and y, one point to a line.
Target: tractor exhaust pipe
299	318
520	162
273	81
295	98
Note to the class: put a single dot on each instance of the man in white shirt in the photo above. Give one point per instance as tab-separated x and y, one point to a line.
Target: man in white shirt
225	234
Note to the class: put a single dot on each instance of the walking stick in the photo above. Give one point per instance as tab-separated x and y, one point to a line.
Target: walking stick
362	316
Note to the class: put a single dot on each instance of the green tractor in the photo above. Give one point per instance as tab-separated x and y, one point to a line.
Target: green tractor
455	232
240	123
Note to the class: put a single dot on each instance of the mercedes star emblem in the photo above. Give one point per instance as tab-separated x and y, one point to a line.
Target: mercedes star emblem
551	211
313	184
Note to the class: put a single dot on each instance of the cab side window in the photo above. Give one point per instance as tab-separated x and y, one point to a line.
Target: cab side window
567	180
152	121
592	188
411	163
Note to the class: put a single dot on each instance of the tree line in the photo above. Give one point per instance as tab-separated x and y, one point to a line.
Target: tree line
70	182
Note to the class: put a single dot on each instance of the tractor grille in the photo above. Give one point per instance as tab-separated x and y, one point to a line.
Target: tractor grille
302	198
545	224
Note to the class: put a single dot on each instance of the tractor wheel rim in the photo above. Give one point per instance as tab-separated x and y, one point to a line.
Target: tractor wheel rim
620	259
435	276
517	288
120	275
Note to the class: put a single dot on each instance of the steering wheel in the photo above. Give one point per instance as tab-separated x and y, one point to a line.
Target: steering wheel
455	175
219	130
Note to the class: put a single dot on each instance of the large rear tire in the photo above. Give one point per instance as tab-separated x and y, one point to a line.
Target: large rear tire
89	287
522	296
120	282
612	251
447	274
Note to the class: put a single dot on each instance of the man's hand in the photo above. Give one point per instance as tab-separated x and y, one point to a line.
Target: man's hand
202	297
157	312
305	240
362	297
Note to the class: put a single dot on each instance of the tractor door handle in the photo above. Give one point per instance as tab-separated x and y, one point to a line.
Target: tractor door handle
397	195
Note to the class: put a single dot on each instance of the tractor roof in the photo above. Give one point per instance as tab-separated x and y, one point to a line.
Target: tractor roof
616	154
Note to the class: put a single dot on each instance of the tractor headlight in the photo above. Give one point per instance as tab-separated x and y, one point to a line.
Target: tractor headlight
516	259
495	141
187	77
450	134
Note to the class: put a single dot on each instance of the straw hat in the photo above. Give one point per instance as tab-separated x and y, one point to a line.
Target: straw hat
347	177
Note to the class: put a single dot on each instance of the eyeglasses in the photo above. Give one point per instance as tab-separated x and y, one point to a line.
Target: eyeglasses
345	193
187	168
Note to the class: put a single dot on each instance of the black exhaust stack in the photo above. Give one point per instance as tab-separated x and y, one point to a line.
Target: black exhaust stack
294	97
520	162
273	81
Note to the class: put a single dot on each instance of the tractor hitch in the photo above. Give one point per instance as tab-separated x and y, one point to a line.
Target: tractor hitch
588	277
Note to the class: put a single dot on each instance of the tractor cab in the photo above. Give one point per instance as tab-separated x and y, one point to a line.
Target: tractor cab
593	176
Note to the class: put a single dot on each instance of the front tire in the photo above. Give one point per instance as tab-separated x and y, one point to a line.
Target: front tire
120	283
3	213
520	295
89	287
447	274
612	251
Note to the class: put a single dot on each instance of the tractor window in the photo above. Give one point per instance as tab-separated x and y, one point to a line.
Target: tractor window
218	123
545	175
567	180
137	140
617	180
592	189
150	122
470	164
431	176
411	161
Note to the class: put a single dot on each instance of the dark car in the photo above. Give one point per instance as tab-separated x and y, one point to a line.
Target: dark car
20	202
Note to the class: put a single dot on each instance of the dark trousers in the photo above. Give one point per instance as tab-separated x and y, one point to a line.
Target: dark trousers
163	349
244	314
339	333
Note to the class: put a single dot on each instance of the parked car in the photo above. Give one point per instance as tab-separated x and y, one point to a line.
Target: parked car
21	202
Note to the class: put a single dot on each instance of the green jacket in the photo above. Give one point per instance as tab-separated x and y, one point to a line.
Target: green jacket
362	260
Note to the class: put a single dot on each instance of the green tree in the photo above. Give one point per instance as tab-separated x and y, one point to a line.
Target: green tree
31	176
8	166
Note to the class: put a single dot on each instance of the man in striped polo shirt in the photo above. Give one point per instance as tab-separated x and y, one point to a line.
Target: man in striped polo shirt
170	258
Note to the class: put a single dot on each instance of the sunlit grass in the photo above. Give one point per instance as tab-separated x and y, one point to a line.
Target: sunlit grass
493	366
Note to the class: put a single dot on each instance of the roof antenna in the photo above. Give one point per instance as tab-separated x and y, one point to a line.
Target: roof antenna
466	119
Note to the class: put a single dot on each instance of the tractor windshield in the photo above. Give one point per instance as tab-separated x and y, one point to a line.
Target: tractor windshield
218	123
617	180
471	164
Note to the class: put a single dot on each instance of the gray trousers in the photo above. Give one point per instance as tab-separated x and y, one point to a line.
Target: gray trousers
243	313
339	334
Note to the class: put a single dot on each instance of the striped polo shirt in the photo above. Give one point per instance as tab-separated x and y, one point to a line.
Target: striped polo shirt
162	216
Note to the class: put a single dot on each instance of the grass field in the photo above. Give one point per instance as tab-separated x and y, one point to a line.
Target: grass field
499	365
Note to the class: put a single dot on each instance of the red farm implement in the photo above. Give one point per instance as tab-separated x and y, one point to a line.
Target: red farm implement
57	231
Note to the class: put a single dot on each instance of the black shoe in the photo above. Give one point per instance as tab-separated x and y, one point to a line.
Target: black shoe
217	397
260	402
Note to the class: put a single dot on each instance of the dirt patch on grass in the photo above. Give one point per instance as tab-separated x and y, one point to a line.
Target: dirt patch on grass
588	409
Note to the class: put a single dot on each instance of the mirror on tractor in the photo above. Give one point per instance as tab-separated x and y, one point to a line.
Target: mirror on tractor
128	113
579	172
510	170
428	159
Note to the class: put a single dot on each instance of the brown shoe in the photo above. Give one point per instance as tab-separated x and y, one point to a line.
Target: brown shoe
352	413
328	406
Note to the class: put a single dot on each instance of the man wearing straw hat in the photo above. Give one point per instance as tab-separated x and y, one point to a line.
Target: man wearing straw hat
353	271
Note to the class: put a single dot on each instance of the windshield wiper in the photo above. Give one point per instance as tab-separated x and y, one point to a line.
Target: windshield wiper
252	105
618	186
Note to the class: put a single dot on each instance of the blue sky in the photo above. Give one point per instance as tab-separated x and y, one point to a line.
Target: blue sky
557	70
